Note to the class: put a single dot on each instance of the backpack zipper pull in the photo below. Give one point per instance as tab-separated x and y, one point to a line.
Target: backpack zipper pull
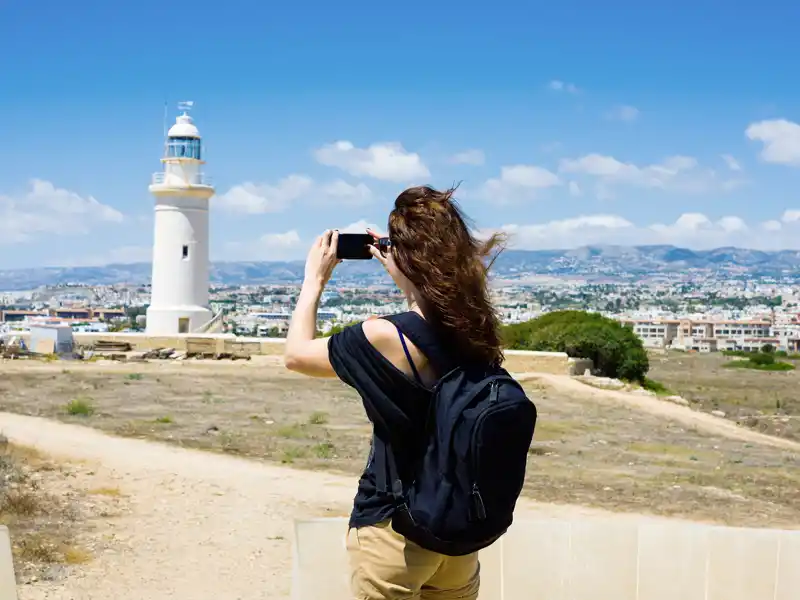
495	392
477	503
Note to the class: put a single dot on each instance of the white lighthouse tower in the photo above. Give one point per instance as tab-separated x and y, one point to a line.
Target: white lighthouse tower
179	294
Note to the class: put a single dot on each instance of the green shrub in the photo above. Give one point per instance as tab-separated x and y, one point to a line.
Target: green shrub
750	364
80	407
656	387
615	349
336	329
318	418
762	358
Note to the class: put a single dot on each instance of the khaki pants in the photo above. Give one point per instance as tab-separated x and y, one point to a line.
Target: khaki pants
386	566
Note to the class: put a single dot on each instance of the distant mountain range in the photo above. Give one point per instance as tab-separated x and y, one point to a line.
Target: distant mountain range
587	261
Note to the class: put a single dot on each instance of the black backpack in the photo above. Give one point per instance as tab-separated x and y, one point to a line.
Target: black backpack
468	478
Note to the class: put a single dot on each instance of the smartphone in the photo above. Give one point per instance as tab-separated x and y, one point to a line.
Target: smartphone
354	246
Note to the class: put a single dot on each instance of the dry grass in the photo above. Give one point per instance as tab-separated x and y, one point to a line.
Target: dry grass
43	523
766	401
586	452
113	492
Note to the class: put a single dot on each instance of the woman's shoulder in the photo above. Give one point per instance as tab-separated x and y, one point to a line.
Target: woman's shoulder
382	332
379	330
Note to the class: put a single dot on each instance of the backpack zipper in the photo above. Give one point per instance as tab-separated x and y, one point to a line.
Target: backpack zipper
478	507
477	503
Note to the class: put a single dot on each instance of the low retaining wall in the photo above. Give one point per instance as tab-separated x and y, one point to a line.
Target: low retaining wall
8	585
591	559
517	361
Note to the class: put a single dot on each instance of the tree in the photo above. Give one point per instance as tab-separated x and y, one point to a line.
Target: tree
767	348
615	350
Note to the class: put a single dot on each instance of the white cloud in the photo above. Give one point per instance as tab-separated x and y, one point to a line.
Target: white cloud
518	181
677	173
345	194
623	112
791	216
560	86
781	140
361	226
575	189
280	240
47	210
576	231
692	230
732	163
387	161
468	157
258	198
286	245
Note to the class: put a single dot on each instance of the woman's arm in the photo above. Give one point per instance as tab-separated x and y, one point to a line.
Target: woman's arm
303	353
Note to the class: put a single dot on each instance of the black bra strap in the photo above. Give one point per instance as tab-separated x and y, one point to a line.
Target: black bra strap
408	355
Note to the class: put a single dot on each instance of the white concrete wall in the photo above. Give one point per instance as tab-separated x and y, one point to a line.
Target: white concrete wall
592	559
8	585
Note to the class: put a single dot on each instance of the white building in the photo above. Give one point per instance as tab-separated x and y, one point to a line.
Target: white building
179	296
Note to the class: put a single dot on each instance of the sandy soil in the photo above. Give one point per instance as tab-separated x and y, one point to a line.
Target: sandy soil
201	525
653	405
609	450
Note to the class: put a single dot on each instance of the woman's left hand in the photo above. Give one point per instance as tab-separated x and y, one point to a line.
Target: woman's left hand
321	259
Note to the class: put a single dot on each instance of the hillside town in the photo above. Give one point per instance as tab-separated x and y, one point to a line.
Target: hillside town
702	316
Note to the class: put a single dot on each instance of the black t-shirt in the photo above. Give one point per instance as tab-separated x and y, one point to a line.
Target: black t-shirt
396	404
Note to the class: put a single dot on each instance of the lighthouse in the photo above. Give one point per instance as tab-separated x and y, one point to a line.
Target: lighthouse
179	293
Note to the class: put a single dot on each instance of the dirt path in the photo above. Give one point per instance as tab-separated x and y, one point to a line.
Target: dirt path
683	414
202	526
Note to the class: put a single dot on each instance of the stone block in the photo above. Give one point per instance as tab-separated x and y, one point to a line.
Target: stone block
742	563
536	556
672	561
8	584
320	560
603	560
491	560
788	584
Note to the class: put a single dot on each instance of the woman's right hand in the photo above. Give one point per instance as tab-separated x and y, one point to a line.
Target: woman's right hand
377	253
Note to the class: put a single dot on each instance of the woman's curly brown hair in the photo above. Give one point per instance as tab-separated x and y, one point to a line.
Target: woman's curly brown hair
433	246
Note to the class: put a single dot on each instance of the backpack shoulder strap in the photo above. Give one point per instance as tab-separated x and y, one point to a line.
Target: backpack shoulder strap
408	356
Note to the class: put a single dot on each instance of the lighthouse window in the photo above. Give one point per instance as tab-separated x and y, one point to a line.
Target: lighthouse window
184	148
185	252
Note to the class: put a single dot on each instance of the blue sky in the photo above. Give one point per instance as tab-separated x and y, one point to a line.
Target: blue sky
567	123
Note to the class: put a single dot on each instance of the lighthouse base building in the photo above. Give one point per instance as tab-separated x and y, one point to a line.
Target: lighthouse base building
179	293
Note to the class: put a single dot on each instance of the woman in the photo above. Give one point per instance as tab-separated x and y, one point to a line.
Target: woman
393	363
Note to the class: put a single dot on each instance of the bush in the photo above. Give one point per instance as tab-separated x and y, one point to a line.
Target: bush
750	364
762	358
80	407
615	350
656	387
336	329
